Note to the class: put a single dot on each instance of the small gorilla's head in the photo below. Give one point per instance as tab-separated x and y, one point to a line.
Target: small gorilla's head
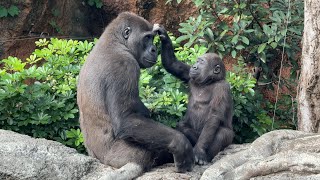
208	69
138	35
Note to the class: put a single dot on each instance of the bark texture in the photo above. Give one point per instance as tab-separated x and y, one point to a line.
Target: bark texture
309	85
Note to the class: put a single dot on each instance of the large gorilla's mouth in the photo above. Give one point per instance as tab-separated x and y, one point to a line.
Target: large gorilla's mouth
149	60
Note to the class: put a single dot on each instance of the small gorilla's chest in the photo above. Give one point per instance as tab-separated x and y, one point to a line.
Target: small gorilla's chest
199	106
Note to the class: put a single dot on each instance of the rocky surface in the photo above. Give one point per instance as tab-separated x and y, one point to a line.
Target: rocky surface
282	154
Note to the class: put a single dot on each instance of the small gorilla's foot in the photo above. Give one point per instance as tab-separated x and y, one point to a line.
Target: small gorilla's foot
183	169
200	156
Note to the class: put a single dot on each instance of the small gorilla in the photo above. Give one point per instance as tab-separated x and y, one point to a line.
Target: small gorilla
208	120
116	125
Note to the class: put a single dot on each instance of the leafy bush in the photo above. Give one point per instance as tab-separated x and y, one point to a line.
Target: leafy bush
251	118
249	30
38	97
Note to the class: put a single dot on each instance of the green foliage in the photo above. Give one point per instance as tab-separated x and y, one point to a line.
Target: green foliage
38	96
97	3
251	118
250	30
11	11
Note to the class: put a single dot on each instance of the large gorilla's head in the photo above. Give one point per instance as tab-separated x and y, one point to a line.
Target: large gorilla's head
137	35
209	68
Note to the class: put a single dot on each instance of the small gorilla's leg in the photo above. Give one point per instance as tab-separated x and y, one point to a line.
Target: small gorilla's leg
222	139
188	132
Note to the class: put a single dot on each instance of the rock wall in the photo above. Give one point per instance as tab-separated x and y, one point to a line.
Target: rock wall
77	20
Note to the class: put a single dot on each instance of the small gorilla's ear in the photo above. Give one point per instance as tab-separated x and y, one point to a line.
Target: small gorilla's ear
126	32
217	69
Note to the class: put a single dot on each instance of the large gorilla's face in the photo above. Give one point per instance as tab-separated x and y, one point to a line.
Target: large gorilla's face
139	35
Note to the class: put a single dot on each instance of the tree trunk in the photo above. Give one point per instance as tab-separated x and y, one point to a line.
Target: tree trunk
309	85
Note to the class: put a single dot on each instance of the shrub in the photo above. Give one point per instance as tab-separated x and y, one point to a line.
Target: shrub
38	96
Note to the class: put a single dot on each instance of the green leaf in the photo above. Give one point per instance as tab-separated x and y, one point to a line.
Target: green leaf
224	10
210	33
223	33
267	30
13	10
182	38
235	39
261	47
99	4
245	40
3	12
233	54
274	45
239	47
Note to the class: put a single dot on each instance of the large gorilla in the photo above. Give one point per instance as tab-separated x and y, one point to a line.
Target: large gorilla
115	123
208	120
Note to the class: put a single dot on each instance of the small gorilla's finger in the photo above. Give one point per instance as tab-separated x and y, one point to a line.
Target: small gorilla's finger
162	36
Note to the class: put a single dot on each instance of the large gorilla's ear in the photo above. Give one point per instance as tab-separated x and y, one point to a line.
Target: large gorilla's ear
126	32
217	69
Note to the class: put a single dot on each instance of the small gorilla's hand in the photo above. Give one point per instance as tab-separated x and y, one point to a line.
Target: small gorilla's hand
200	156
157	28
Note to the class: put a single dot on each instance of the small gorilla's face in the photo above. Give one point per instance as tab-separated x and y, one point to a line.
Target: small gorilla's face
199	71
140	42
208	68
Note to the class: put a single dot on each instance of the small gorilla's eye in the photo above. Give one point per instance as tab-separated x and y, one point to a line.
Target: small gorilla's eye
127	32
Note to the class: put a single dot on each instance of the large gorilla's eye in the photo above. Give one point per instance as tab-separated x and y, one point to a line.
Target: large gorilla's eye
217	69
126	32
148	37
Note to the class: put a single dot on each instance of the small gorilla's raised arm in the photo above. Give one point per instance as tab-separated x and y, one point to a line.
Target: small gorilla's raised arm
116	125
208	120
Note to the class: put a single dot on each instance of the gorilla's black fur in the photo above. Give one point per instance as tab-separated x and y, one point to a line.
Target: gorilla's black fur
208	120
115	123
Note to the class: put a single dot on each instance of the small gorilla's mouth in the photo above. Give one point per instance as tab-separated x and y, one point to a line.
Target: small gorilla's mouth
193	75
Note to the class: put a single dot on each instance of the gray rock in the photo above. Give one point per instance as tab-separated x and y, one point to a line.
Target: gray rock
282	154
23	157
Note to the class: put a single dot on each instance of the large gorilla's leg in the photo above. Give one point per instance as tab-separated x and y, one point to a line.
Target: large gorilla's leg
188	132
156	137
